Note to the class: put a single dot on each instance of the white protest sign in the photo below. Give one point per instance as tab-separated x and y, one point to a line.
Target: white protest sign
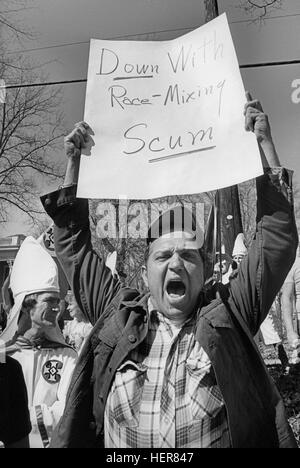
167	117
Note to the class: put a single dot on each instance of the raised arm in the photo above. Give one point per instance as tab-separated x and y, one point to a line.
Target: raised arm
75	142
92	282
257	121
272	251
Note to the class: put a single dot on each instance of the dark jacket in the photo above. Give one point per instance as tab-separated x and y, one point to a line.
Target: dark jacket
14	414
224	327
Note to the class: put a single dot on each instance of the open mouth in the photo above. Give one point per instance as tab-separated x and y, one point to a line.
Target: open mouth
176	288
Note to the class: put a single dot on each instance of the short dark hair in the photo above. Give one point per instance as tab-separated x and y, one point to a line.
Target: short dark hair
178	218
29	301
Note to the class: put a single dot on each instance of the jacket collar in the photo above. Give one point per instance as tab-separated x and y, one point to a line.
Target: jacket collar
42	343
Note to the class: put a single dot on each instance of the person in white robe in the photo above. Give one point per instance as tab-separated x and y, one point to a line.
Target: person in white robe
33	338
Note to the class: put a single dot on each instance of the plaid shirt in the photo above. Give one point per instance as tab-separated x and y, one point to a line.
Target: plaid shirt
165	394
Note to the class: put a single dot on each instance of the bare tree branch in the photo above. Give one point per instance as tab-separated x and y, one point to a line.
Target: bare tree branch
11	21
31	127
259	9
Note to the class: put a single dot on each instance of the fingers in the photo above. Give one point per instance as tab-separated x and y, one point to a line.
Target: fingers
255	104
252	102
248	96
253	112
78	138
251	116
257	122
83	125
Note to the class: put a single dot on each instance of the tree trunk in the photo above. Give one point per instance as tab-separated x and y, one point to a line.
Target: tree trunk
230	216
212	10
227	199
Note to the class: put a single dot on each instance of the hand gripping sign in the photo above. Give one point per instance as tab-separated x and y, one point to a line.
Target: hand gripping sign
167	117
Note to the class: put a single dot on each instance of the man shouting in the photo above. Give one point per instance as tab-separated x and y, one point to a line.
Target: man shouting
169	369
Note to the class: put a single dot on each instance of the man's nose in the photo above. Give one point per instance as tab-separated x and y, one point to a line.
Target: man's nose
176	262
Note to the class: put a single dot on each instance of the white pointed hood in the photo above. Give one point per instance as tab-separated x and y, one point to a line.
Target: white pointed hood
239	245
33	271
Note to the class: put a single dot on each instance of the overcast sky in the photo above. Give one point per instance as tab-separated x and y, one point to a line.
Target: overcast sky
64	28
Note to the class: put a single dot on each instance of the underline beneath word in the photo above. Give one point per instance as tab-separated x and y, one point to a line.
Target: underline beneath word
118	78
179	155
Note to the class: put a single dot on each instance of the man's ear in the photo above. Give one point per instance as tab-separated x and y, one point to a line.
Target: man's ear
145	275
24	322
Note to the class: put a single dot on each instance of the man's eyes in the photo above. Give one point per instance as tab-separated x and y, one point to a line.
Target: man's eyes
187	255
52	302
163	256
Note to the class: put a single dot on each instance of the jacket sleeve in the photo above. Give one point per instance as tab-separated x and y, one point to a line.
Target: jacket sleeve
18	424
272	251
91	280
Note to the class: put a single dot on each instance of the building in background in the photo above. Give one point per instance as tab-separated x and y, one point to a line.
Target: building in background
9	247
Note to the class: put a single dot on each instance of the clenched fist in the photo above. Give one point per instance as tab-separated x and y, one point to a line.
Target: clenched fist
256	120
79	139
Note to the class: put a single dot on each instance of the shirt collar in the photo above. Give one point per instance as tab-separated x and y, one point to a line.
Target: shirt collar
163	319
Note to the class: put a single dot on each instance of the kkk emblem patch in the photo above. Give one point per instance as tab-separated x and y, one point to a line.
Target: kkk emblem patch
52	371
49	240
